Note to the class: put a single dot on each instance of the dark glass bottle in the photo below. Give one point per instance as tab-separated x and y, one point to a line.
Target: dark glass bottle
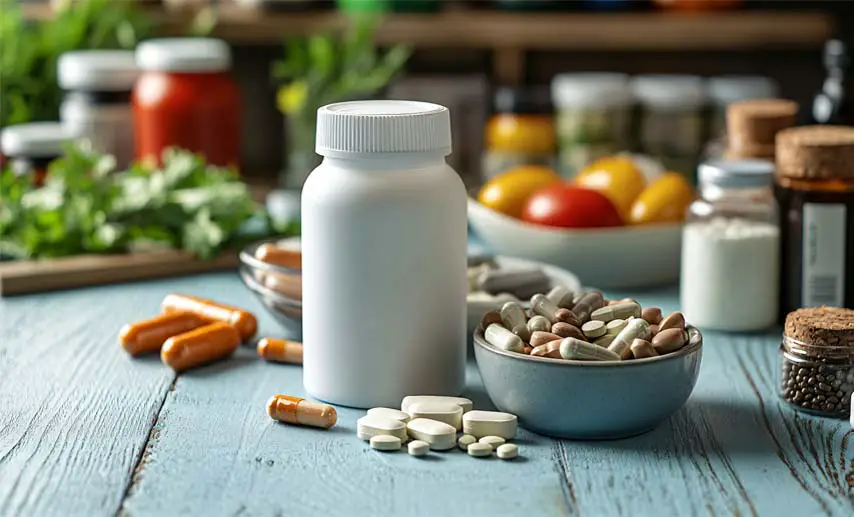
832	105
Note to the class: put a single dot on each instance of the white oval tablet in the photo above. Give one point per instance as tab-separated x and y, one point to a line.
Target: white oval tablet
490	423
385	412
448	412
371	425
466	440
384	442
507	451
492	441
465	403
418	448
439	435
479	450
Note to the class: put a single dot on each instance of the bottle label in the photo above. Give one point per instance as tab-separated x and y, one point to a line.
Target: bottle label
823	274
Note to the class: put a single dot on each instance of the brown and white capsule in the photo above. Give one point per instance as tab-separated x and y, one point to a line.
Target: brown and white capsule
539	324
297	411
544	307
280	350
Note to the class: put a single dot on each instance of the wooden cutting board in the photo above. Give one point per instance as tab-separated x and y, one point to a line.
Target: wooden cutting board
35	276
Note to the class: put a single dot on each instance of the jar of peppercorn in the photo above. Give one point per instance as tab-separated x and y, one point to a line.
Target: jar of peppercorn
817	356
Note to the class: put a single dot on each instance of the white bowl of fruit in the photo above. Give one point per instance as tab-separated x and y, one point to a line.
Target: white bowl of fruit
612	225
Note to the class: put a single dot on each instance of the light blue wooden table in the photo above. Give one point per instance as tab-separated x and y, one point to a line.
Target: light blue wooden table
87	431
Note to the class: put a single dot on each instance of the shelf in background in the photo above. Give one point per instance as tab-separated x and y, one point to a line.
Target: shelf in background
737	30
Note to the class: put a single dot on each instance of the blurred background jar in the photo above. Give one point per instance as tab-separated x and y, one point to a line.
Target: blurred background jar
185	97
520	132
752	127
96	104
29	148
592	119
832	105
727	89
670	119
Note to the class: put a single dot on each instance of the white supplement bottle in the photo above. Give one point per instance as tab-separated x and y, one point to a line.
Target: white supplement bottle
730	249
384	256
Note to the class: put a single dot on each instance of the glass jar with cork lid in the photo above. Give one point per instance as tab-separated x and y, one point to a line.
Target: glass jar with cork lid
815	190
752	126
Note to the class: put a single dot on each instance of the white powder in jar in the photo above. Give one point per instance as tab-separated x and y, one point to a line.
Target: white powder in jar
730	274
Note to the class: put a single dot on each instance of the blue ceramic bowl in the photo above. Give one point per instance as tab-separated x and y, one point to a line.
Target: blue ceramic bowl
589	400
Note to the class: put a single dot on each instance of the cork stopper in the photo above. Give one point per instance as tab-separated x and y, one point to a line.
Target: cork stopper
816	152
753	124
821	326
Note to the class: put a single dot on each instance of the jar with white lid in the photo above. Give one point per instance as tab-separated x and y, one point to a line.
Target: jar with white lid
96	105
593	112
671	125
384	256
731	248
727	89
31	147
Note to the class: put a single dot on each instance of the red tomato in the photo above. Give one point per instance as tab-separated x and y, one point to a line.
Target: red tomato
568	206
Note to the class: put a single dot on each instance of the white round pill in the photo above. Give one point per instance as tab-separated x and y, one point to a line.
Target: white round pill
615	326
507	451
385	442
593	329
492	441
466	440
418	448
479	450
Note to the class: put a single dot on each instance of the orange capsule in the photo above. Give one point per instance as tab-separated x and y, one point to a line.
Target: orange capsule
272	254
149	335
200	346
297	411
243	320
280	350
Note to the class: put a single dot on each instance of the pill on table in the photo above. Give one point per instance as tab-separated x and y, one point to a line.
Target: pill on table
588	303
385	442
507	451
527	349
623	310
642	348
448	412
272	254
491	317
439	435
500	337
669	340
407	401
566	330
652	315
561	296
465	440
593	329
567	316
280	350
544	307
539	324
513	316
492	441
674	321
373	425
571	348
386	412
550	349
297	411
149	335
635	328
605	341
521	282
479	450
418	448
200	346
615	326
211	311
541	338
490	423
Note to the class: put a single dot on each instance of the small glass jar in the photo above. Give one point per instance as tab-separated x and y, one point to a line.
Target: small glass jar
671	126
31	147
726	89
593	111
185	97
96	105
730	248
521	132
817	378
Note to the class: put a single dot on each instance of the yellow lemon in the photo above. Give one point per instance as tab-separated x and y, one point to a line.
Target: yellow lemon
665	200
617	177
508	192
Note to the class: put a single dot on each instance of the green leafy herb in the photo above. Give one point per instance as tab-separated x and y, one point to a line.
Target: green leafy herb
86	206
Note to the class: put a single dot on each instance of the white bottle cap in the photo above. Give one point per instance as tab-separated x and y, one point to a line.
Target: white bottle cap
383	126
35	139
183	55
591	90
97	70
726	89
670	91
737	173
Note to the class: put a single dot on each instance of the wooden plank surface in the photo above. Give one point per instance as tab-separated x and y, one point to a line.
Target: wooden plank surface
81	412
